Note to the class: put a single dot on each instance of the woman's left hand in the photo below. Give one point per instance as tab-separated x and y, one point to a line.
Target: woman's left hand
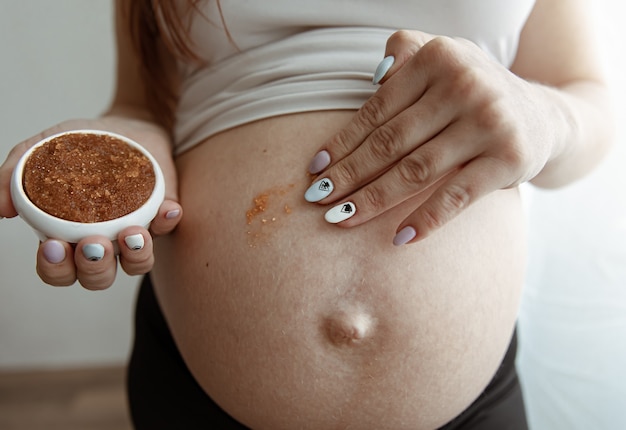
448	119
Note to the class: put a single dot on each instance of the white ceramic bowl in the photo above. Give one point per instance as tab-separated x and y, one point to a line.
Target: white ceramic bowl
47	226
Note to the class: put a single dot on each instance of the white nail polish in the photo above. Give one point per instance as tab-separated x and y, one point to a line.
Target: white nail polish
340	213
134	242
93	251
383	68
319	190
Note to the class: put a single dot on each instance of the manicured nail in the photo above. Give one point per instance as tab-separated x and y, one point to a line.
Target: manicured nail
319	190
53	251
172	214
404	236
134	242
320	162
93	251
383	68
340	213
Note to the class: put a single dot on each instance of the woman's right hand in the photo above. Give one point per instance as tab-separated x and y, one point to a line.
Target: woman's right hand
92	261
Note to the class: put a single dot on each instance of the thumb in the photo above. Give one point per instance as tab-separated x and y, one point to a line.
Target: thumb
168	217
401	46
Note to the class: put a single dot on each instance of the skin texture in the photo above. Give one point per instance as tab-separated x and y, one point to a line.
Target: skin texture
330	325
361	333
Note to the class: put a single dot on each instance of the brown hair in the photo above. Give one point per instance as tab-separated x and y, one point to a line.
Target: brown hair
157	28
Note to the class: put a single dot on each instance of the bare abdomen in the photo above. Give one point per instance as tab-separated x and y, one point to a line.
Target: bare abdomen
288	322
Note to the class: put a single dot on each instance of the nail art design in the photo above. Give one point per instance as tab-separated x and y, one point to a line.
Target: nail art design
320	162
134	242
383	68
340	213
53	251
319	190
404	236
93	251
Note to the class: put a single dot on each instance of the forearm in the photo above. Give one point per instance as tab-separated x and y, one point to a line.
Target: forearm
579	124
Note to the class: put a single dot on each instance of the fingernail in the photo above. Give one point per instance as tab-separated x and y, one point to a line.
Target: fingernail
134	242
93	251
404	236
340	213
53	251
172	214
319	190
383	68
320	162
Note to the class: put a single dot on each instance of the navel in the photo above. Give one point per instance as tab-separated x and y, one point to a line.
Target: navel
348	327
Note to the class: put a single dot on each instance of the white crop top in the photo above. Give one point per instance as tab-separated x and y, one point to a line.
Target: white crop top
294	55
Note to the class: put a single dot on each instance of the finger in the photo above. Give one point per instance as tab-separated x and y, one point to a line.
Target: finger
96	263
55	263
388	144
414	174
401	46
135	244
6	170
480	177
169	215
390	99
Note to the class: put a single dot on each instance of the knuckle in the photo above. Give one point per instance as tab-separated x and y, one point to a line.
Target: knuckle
404	44
374	198
450	203
96	281
56	279
464	83
440	49
386	142
416	171
340	142
372	113
491	115
137	267
514	156
346	172
432	217
507	140
455	198
401	36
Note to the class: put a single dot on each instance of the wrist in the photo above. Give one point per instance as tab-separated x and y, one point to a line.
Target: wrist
577	124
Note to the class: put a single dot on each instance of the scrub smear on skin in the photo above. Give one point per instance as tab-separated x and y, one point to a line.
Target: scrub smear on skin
266	211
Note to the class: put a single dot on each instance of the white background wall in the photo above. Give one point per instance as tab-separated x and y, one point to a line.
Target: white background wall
57	63
573	319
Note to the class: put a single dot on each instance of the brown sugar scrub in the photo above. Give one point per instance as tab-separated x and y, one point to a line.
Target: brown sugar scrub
88	177
268	208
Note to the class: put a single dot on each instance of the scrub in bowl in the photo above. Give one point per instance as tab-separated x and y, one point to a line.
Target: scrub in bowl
86	182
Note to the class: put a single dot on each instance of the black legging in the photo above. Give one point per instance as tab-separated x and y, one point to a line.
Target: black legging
164	395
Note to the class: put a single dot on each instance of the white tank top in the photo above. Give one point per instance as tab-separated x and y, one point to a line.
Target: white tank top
295	56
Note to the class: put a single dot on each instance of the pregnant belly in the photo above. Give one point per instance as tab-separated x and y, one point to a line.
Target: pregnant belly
288	322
